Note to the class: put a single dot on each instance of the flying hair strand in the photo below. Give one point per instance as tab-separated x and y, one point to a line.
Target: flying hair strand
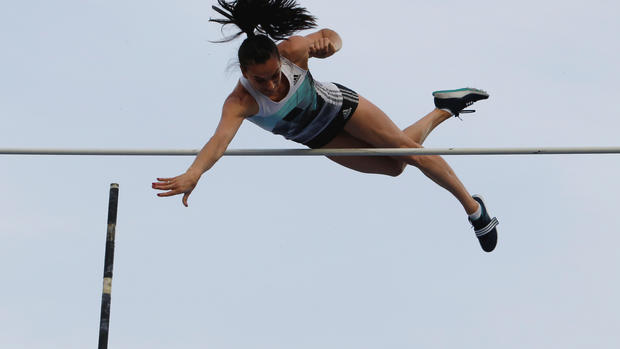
277	19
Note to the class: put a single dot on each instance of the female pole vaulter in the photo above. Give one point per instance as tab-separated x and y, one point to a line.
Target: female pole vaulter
277	92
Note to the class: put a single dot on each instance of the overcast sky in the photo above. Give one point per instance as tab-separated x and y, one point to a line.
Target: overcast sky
284	253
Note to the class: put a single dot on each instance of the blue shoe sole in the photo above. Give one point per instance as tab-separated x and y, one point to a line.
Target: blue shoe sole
466	89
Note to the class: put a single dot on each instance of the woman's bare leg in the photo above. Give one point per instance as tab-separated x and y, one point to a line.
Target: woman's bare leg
371	125
379	164
423	127
367	164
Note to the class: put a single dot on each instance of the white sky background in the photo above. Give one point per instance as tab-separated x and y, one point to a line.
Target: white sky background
299	252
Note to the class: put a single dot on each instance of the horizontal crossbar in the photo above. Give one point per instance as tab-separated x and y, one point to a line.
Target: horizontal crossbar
318	152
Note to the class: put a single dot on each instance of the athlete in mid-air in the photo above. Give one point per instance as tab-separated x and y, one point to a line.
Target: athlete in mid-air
277	92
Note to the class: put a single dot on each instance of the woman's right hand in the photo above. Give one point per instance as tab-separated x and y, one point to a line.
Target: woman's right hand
182	184
237	106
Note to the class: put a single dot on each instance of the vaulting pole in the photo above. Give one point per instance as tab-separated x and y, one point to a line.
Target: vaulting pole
104	325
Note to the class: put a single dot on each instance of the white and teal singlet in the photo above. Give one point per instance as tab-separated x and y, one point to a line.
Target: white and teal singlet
308	108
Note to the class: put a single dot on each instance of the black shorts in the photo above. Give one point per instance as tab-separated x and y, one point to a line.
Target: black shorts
349	105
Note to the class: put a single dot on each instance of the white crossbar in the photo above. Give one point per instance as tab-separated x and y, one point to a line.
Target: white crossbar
318	152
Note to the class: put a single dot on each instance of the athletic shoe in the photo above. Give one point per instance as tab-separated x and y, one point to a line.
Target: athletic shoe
455	101
485	227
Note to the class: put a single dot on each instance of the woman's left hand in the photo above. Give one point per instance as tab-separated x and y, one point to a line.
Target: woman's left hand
322	48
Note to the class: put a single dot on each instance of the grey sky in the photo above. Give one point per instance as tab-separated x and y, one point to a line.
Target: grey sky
362	261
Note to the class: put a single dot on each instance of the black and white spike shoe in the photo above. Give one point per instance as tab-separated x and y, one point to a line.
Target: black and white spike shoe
485	227
455	101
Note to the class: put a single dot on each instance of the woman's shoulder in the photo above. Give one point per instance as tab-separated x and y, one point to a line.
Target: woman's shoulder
242	100
295	49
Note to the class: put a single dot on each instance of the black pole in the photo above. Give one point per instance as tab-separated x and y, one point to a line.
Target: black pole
106	296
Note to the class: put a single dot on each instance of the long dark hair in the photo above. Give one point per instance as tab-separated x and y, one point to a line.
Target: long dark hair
263	21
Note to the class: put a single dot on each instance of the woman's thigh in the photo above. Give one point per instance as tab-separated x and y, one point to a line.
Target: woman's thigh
366	164
371	125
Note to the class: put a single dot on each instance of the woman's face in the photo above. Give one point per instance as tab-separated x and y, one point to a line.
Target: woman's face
265	77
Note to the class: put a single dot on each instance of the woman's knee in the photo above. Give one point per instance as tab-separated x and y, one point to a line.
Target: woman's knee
413	160
397	169
389	167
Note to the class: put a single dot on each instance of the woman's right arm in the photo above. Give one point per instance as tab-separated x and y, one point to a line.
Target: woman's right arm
236	108
232	117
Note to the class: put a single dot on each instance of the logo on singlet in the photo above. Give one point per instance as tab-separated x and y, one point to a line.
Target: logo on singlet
296	78
346	113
